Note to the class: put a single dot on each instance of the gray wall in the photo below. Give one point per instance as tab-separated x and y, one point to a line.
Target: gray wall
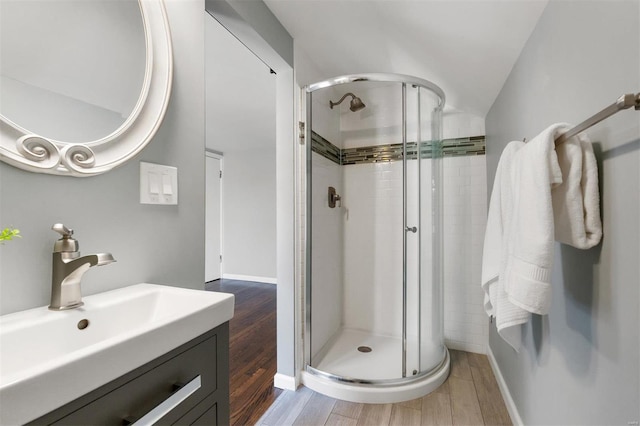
580	364
249	200
158	244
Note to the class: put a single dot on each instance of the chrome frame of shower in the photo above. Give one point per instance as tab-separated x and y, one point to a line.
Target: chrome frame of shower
380	382
308	220
377	77
380	77
419	148
437	240
404	230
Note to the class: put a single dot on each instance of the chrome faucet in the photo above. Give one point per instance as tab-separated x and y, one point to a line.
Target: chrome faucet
68	268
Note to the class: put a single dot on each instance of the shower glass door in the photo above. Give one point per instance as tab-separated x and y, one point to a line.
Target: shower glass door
424	335
413	230
372	226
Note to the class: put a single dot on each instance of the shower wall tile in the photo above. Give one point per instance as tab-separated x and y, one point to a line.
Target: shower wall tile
372	259
372	204
378	122
326	121
465	215
458	124
327	257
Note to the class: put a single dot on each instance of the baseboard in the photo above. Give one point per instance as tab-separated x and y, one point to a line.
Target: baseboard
464	346
504	390
285	382
253	278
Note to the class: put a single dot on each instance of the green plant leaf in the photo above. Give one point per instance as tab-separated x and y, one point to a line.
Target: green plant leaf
9	233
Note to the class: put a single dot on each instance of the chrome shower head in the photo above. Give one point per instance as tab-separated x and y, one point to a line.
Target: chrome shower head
356	103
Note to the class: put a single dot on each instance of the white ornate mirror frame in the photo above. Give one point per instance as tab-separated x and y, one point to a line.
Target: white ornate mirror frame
36	153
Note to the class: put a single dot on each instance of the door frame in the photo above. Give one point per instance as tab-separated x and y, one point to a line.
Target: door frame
258	29
213	154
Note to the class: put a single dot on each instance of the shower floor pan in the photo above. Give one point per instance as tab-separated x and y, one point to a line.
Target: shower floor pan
342	370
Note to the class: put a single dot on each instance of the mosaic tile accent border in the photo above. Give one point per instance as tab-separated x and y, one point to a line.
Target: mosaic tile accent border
473	145
325	148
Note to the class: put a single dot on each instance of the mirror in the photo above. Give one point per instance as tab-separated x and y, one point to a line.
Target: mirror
67	86
84	84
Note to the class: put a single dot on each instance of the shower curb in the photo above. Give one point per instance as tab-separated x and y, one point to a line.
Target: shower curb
378	394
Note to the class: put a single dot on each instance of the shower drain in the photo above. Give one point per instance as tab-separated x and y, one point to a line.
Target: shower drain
364	349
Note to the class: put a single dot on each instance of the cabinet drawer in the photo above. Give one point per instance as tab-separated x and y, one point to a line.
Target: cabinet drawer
209	418
205	414
143	393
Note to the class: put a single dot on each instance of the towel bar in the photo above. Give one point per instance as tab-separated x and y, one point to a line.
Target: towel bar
624	102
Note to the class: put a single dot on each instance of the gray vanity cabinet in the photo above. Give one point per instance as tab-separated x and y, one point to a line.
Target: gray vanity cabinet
204	361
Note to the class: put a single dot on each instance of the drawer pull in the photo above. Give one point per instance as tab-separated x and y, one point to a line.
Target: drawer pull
168	404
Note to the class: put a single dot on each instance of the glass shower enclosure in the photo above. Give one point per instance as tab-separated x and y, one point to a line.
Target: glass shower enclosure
373	264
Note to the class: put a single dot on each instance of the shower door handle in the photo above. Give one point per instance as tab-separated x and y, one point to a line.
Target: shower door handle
411	229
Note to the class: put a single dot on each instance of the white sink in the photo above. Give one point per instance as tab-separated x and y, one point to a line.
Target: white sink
46	360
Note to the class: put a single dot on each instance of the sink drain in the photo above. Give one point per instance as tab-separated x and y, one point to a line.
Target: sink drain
82	324
364	349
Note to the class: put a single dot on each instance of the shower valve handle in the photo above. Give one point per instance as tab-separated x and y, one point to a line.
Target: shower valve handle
412	229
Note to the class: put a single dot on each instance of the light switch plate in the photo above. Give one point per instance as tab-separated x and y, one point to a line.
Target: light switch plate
158	184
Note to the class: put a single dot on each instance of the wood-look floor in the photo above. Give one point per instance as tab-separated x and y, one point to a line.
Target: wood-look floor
470	396
252	348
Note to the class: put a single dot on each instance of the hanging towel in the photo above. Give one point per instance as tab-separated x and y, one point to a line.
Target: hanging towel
527	273
576	201
496	302
538	196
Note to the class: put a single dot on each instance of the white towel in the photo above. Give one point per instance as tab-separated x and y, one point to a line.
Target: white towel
576	201
519	240
494	258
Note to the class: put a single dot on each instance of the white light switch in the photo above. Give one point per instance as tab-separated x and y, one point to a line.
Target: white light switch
167	188
154	187
158	184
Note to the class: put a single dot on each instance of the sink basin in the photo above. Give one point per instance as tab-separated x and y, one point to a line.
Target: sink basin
49	358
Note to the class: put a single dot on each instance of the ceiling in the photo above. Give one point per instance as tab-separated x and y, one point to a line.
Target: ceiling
467	47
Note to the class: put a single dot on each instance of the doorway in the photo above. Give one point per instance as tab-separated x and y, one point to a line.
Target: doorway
241	129
253	24
213	214
241	126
